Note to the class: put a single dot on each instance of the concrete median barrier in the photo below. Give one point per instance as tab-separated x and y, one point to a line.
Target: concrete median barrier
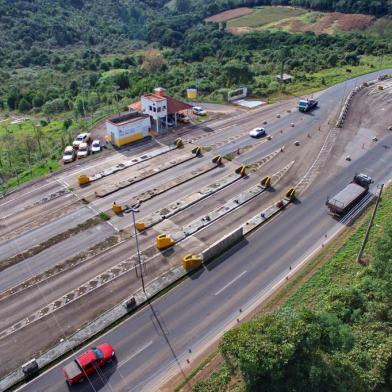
222	245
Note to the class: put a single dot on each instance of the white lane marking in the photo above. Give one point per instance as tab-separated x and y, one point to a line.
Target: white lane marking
141	349
231	282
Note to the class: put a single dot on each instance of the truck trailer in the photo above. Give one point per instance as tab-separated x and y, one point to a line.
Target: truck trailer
343	201
306	105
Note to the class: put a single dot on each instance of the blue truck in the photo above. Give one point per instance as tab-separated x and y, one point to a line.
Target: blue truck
306	105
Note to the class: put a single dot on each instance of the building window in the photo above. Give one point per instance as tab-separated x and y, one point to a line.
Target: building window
150	108
163	107
158	110
155	109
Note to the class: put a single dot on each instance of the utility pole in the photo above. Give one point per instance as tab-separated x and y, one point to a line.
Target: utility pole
359	257
133	210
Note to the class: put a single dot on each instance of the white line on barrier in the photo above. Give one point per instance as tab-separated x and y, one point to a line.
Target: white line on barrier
231	282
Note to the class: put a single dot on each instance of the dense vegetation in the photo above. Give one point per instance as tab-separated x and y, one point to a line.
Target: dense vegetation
334	334
68	61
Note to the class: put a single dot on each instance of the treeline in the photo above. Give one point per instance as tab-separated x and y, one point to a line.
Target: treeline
342	344
34	29
212	59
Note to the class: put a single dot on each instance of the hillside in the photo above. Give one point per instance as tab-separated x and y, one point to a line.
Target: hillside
68	64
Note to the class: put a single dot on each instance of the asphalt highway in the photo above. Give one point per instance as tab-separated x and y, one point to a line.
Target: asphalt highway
158	339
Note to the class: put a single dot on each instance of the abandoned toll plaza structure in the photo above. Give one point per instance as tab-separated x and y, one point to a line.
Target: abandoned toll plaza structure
154	112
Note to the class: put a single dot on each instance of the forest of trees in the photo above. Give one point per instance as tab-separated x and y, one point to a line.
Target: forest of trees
34	28
342	343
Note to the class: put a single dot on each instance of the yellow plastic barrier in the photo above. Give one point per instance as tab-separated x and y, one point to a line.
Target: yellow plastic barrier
266	182
164	241
241	170
179	143
140	226
290	195
196	151
191	261
83	179
217	160
117	208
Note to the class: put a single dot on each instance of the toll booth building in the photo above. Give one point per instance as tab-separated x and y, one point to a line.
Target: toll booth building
162	109
128	128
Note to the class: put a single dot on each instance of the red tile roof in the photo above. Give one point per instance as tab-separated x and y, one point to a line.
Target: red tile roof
175	106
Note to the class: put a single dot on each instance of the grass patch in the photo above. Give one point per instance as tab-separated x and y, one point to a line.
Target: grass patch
265	15
38	170
310	83
105	217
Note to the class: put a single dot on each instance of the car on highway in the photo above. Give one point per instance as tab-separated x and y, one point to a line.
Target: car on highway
81	138
83	150
199	111
69	154
257	132
88	363
95	146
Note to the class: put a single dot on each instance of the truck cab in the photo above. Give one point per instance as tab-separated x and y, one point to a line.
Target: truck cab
363	179
305	105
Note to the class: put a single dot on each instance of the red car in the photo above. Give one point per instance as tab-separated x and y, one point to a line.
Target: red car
88	363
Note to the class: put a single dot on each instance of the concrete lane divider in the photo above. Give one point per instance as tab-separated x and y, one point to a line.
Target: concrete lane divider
83	179
266	182
197	151
179	143
290	194
126	164
191	261
241	170
164	241
146	173
117	208
217	160
220	246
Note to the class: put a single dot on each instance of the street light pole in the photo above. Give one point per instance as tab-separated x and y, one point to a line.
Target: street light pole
133	210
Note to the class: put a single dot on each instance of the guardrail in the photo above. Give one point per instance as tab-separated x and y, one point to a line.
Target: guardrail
353	93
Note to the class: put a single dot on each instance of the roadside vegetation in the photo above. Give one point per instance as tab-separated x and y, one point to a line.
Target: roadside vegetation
67	66
332	333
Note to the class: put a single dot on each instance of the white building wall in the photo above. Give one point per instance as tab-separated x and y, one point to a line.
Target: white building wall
119	134
155	109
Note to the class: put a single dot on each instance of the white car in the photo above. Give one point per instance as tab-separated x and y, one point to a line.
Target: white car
199	111
83	150
95	146
69	154
257	132
82	138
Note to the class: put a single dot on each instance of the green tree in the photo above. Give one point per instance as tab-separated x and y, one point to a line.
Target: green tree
292	351
24	105
182	5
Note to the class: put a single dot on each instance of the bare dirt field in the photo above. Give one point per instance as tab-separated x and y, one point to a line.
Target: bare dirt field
230	14
245	20
329	23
